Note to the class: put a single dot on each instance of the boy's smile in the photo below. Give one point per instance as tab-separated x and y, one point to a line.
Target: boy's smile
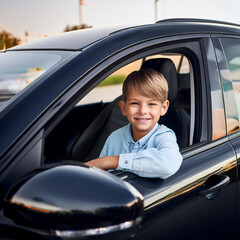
142	112
142	119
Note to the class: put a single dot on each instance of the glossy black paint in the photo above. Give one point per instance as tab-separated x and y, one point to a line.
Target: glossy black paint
178	203
59	198
126	36
70	41
199	202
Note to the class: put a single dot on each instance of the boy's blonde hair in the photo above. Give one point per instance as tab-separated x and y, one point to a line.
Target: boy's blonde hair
148	83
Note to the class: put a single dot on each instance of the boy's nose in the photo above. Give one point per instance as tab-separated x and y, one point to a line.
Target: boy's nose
143	109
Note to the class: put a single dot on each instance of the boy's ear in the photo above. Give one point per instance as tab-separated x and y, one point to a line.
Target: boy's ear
122	105
164	108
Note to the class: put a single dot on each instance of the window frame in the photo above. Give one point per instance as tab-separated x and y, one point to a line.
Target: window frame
190	46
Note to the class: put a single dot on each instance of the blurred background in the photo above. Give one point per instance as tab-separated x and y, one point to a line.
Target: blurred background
26	20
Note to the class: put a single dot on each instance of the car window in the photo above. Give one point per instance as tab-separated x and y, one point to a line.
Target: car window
19	69
231	82
100	108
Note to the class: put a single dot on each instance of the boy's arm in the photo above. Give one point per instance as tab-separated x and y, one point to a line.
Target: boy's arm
105	163
160	162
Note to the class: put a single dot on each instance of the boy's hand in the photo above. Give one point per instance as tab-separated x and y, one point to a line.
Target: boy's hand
105	163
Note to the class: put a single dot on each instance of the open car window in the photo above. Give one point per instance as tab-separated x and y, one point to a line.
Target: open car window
110	87
83	132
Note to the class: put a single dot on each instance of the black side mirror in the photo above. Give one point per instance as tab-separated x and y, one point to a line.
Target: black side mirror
74	201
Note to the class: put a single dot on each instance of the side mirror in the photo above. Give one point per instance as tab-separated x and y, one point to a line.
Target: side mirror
74	201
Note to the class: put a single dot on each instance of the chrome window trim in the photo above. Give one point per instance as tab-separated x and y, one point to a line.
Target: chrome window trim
96	231
201	147
192	114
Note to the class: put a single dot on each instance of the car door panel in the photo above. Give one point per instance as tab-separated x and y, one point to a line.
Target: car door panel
227	52
179	203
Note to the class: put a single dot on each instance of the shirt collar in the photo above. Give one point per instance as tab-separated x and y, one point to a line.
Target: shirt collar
141	141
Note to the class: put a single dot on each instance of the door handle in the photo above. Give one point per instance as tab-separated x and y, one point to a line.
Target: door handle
213	185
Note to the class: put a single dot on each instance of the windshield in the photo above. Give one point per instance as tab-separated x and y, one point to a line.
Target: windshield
20	68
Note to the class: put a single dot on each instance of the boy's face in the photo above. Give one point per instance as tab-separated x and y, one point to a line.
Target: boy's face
142	112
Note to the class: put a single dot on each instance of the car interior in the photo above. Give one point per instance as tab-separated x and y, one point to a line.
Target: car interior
82	133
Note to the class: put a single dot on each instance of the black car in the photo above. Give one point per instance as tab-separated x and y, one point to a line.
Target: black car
62	118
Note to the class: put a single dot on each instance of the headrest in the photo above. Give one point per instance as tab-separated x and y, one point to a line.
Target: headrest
167	68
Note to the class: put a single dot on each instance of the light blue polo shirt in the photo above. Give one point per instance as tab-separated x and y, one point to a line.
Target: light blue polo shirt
156	155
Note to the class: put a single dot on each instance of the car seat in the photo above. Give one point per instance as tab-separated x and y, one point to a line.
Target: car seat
176	118
184	93
89	145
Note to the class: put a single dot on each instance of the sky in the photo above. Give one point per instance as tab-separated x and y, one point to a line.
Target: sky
49	17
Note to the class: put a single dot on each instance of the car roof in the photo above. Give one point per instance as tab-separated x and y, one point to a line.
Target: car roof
80	39
73	40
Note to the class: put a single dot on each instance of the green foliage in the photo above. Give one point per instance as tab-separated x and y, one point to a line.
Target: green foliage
69	28
7	40
111	80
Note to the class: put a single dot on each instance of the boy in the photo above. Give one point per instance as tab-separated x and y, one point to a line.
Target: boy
143	146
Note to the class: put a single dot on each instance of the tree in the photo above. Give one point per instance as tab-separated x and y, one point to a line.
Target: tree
7	40
69	28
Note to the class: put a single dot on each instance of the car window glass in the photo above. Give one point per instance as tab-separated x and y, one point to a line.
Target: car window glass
184	66
232	52
19	69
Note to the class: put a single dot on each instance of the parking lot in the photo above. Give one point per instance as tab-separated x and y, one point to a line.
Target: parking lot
105	94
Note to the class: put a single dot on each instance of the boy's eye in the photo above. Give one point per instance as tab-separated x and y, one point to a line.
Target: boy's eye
152	104
134	103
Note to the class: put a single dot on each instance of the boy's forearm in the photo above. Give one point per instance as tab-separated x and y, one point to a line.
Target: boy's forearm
105	163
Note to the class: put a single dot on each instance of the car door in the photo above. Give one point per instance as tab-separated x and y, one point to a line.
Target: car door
199	201
228	49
